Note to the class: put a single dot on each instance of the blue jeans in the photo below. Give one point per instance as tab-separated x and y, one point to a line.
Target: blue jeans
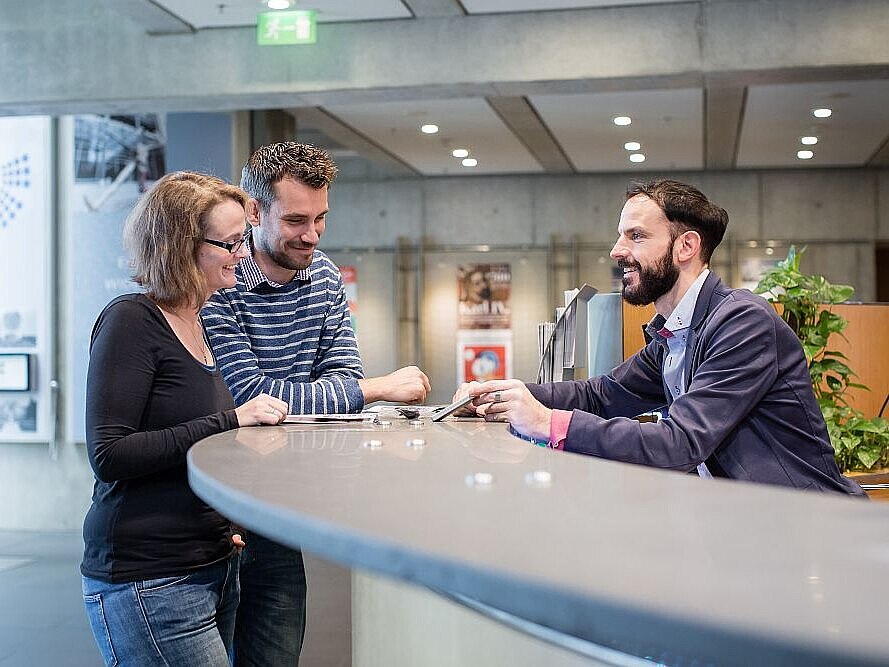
271	619
183	620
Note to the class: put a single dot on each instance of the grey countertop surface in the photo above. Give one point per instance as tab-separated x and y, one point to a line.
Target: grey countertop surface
647	562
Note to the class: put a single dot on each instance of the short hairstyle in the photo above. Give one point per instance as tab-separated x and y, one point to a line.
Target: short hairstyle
686	207
269	164
165	230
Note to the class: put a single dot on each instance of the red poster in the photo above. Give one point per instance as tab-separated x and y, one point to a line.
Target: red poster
350	284
484	362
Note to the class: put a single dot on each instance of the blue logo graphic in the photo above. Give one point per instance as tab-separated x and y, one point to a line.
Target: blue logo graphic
13	174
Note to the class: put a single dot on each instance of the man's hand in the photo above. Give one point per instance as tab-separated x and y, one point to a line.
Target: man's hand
510	400
406	385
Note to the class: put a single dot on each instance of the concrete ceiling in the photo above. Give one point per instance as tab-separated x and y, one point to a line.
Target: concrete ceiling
526	86
201	14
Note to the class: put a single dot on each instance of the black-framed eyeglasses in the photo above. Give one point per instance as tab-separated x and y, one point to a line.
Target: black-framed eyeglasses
232	247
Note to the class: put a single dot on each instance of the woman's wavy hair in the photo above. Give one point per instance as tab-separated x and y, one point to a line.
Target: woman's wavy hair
165	230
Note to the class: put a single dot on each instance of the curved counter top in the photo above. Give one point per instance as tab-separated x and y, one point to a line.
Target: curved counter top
646	562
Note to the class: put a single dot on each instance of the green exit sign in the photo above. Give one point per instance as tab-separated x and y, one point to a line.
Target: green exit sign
283	28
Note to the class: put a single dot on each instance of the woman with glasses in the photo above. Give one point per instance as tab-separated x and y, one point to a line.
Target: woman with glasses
160	566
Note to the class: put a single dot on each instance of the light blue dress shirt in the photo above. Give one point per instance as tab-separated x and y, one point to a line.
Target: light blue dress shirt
677	324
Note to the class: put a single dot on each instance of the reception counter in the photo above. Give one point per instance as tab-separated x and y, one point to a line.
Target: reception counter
640	562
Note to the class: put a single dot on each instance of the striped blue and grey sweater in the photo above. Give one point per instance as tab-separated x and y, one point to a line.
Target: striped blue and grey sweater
293	341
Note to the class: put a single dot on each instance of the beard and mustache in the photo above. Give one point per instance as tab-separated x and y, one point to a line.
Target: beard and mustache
654	281
280	258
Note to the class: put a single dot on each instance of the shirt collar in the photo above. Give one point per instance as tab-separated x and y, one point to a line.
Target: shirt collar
680	318
253	275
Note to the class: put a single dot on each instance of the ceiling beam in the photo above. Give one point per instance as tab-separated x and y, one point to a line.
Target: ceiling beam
63	65
723	116
154	18
426	8
880	158
522	118
320	119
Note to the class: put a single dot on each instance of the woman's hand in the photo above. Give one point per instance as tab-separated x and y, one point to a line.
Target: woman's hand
262	409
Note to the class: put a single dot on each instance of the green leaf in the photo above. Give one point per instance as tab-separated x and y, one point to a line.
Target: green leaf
829	323
870	426
835	366
840	293
868	455
817	339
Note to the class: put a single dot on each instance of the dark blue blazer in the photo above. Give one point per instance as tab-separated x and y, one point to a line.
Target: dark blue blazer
748	410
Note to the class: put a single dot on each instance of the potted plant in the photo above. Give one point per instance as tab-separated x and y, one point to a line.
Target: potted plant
804	300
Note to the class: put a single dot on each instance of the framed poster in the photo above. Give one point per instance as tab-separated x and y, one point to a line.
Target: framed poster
26	300
483	296
483	355
112	160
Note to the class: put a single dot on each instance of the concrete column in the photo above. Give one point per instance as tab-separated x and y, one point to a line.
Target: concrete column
271	126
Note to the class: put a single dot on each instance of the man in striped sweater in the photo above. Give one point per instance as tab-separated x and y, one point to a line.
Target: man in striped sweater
285	330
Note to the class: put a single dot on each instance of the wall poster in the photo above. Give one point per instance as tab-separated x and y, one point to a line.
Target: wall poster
484	355
483	296
25	285
115	159
350	284
484	337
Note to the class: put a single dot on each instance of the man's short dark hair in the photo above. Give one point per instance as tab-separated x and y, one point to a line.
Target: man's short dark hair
686	207
269	164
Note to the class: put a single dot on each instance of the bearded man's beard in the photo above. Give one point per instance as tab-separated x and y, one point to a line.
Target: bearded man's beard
653	281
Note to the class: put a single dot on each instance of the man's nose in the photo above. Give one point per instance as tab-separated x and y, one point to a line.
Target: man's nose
311	236
618	251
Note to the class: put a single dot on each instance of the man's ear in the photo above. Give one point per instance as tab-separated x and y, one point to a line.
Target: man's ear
252	209
689	245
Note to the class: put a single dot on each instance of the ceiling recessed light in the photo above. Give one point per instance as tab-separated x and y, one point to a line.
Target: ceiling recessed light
621	120
637	157
429	128
460	152
469	162
632	145
821	113
808	141
805	155
278	4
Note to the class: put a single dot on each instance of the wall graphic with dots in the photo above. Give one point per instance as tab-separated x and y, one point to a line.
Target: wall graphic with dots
15	176
25	296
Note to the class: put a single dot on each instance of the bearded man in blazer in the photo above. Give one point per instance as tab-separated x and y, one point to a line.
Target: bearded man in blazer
739	399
